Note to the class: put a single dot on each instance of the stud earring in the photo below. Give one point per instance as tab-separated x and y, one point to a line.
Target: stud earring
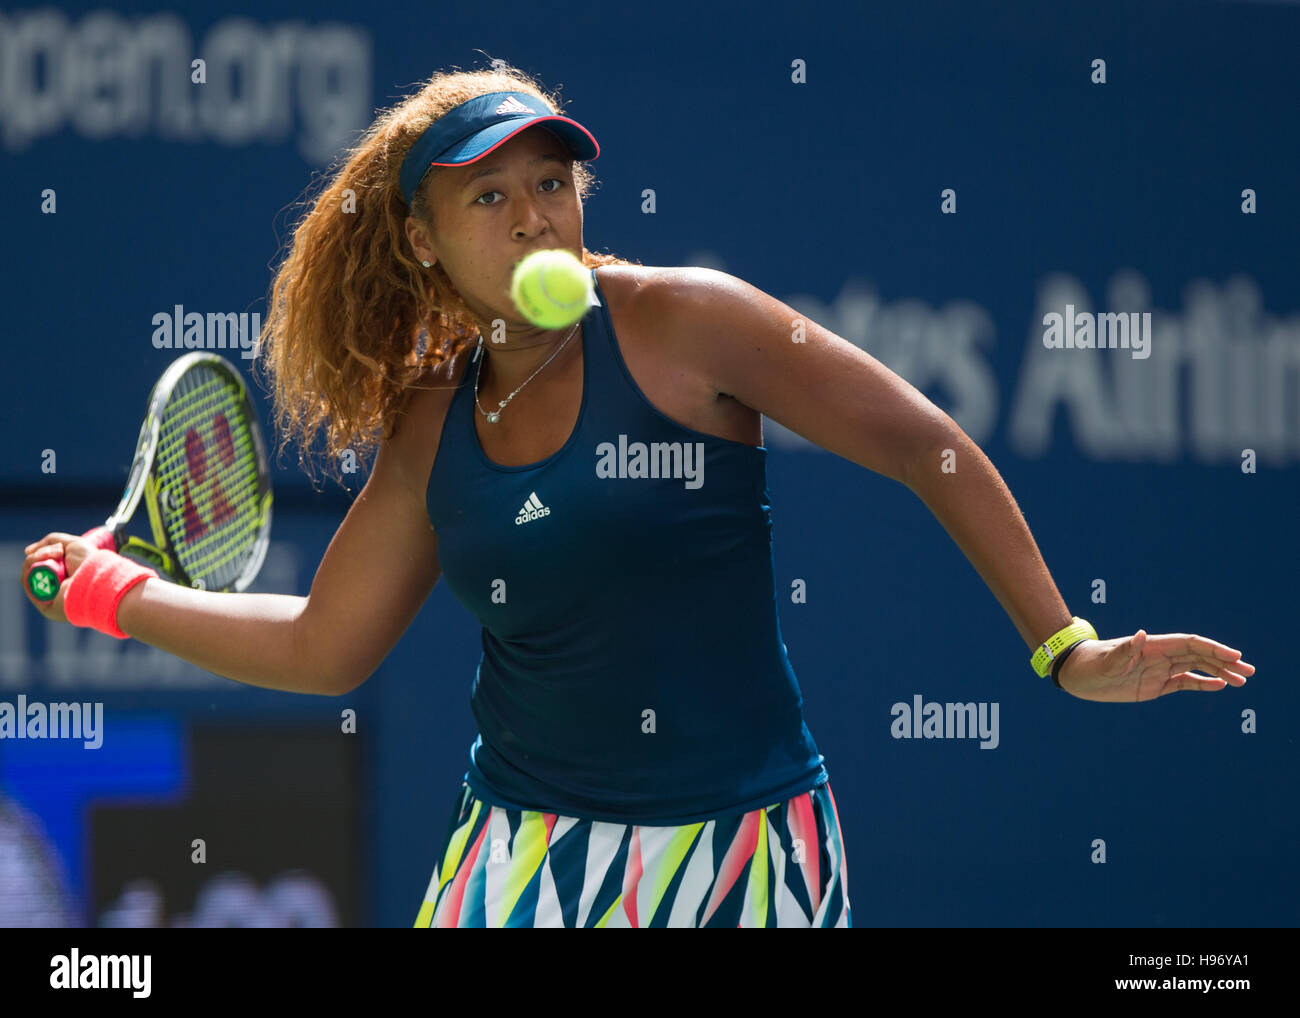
426	264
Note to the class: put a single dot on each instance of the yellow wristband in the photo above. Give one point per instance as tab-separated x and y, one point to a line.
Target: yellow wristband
1078	629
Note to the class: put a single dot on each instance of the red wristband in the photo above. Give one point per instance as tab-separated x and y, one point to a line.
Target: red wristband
91	596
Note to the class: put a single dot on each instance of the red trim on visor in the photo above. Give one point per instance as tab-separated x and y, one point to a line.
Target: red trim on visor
531	123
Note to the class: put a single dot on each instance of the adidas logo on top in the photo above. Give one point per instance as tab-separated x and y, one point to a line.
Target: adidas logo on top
532	510
512	105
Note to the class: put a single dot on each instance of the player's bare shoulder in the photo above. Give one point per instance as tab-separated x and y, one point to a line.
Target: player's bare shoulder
418	429
625	284
648	294
638	296
654	314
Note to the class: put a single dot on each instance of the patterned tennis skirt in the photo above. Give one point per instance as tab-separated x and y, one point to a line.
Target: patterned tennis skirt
782	865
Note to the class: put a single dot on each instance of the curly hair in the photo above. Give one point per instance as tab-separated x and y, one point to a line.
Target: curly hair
353	320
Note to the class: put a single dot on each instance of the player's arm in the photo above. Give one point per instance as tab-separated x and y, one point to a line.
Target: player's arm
765	354
379	568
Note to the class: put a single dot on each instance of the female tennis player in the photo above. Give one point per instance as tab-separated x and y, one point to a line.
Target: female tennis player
596	496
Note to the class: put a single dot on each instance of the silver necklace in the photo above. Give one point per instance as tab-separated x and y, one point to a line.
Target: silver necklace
495	415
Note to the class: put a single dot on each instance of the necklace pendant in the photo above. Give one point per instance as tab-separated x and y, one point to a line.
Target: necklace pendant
493	417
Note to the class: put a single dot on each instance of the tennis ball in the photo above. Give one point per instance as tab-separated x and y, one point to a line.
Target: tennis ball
552	288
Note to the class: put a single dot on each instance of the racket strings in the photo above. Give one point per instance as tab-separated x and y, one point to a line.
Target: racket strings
206	466
210	535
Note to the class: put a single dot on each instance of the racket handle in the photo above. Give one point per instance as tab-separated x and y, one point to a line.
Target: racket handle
47	575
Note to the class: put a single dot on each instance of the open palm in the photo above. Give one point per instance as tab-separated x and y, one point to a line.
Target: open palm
1142	667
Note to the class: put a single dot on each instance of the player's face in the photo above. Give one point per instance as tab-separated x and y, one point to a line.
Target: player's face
482	227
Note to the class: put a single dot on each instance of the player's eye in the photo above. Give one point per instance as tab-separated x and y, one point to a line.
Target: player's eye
488	205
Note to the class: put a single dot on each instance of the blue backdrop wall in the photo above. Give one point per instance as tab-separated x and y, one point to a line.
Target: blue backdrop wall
927	181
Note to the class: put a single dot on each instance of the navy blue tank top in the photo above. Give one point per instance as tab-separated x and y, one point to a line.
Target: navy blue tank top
633	669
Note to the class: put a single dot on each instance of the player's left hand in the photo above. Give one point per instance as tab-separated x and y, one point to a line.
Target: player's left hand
1143	667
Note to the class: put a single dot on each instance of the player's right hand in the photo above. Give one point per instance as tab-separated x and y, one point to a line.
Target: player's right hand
73	551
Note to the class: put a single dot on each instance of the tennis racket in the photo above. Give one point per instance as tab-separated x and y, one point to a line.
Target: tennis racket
200	468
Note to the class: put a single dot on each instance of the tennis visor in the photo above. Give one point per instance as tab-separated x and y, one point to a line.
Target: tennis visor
477	126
